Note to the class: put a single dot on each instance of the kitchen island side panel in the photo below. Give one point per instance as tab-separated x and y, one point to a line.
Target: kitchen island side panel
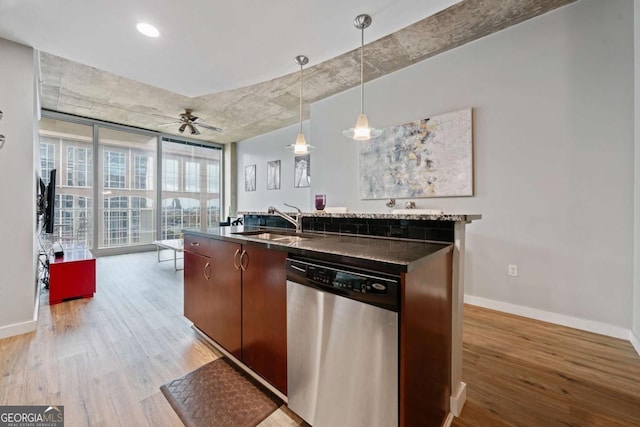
425	342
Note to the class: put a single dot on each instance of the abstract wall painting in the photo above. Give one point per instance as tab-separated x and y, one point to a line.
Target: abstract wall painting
432	157
250	178
273	175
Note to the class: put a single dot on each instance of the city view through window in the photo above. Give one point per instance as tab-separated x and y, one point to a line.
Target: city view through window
190	188
126	175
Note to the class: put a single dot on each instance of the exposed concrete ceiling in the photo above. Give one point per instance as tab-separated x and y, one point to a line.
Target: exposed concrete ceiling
248	111
205	46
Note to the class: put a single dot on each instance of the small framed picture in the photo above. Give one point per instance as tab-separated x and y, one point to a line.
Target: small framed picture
273	175
250	178
302	171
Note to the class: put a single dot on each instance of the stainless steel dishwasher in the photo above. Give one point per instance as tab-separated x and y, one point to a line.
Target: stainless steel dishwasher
342	340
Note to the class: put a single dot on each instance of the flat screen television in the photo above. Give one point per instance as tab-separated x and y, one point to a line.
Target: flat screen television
49	212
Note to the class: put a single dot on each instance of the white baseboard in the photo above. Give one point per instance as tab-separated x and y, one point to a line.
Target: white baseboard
635	341
18	328
457	402
547	316
23	327
447	422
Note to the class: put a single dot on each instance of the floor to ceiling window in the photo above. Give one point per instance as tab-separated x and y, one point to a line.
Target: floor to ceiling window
190	187
109	183
127	197
68	148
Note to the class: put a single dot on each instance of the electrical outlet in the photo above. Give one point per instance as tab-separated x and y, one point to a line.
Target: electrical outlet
513	270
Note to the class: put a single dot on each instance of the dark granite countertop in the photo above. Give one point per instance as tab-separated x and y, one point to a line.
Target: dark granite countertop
391	255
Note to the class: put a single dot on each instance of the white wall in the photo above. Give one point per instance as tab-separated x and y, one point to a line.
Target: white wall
17	188
554	170
265	148
636	271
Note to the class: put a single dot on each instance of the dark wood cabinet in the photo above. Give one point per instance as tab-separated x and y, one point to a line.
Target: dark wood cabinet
264	314
212	290
237	295
225	312
197	270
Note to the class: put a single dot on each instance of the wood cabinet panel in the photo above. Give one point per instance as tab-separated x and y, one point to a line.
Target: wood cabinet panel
226	297
196	244
264	314
425	344
196	288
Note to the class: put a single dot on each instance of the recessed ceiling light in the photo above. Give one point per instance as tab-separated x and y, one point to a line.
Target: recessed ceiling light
148	29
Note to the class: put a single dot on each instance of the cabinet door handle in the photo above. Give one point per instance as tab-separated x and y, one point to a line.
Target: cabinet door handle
195	244
242	264
237	267
204	271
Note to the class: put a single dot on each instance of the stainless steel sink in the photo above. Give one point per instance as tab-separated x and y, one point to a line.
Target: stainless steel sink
276	236
280	238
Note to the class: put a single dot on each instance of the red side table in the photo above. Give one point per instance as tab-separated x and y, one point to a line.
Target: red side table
72	276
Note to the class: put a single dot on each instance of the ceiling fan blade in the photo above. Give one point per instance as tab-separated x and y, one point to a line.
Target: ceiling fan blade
194	130
169	124
182	128
210	127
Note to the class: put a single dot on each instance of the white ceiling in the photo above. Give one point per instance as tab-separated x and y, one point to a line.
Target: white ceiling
205	46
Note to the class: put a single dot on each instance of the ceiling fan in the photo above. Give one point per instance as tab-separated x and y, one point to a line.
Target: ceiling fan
191	122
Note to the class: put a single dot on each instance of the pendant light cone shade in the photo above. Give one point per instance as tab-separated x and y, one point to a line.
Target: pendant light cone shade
300	146
362	131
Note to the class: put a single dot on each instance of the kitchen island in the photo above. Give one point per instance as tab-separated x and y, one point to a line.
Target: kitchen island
235	293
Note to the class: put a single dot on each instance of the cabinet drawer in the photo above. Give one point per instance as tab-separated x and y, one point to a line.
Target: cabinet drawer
196	244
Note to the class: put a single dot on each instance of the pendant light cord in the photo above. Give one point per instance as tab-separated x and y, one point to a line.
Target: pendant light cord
362	71
301	98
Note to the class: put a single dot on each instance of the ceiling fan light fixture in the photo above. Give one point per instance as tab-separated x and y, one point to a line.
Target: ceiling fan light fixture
362	131
300	146
148	30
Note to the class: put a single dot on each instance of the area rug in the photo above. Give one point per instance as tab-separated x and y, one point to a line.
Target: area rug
220	394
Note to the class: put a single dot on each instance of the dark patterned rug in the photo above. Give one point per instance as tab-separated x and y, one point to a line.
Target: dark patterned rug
220	394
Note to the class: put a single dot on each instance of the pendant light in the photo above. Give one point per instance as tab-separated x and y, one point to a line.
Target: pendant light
362	131
300	146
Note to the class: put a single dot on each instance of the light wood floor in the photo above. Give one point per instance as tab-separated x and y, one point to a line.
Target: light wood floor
105	358
521	372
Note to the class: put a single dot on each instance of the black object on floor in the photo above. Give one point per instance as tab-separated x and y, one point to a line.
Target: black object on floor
220	394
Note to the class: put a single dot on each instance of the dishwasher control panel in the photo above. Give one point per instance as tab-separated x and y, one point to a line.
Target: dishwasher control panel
367	287
347	281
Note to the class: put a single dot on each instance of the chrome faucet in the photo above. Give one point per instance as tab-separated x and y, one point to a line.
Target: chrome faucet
297	221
